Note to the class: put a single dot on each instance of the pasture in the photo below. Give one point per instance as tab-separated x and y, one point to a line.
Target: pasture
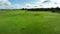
29	22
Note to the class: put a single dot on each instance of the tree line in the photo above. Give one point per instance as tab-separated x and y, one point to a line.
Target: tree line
57	9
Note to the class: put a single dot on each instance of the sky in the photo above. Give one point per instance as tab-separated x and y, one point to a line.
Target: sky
18	4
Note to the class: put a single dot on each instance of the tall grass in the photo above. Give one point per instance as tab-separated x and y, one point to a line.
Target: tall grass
24	22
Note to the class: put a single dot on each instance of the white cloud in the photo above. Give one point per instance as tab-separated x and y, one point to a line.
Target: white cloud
16	6
28	5
51	3
46	4
5	4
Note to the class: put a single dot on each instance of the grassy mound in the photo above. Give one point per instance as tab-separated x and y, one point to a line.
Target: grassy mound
21	22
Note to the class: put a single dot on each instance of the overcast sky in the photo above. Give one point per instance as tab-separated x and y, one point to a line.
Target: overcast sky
17	4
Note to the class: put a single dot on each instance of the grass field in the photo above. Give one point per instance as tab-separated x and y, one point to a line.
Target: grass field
29	22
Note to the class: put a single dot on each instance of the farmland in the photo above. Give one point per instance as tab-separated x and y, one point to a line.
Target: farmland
29	22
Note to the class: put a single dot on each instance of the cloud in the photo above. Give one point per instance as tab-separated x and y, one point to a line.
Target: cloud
51	3
28	5
5	4
16	6
46	4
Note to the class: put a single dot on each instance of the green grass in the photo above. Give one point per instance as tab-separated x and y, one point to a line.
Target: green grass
21	22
